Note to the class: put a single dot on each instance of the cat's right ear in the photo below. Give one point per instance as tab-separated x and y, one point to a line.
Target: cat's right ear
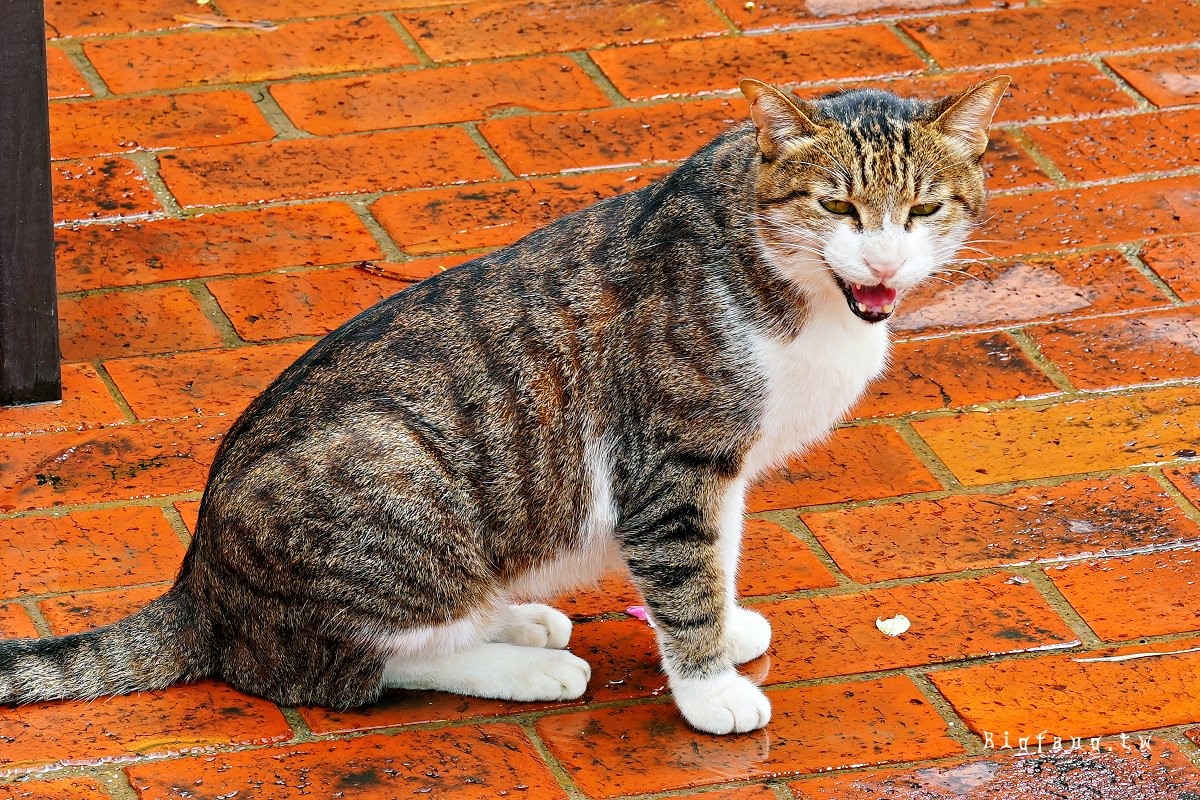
778	117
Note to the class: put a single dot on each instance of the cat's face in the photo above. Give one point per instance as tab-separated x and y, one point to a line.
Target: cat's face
862	195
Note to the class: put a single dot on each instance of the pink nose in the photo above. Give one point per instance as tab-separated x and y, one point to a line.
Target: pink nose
883	269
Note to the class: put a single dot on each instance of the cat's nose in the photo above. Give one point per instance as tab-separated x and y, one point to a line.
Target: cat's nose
883	268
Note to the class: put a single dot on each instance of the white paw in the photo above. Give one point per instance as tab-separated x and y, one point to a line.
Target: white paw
747	633
550	675
536	625
727	703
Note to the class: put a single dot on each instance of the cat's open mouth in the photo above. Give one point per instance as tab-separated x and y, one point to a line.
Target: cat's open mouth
872	303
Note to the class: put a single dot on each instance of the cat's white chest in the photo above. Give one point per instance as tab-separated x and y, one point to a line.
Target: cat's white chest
812	381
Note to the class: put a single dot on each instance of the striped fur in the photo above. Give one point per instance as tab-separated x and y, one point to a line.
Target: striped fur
599	393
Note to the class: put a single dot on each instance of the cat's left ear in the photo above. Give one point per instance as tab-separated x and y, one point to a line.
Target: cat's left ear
965	117
778	117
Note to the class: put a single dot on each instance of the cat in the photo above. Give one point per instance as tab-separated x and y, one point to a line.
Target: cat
598	395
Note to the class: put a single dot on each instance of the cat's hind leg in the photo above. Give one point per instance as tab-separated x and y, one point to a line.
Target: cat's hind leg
532	625
494	670
504	653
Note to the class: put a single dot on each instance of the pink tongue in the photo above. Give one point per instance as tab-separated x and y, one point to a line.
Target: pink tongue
874	297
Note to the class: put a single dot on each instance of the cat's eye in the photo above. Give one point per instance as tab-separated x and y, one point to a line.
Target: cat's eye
924	209
840	207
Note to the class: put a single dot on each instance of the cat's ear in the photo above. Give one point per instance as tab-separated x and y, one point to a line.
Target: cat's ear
965	117
778	117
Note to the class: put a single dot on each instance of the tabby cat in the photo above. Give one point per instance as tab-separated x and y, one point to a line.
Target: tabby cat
598	395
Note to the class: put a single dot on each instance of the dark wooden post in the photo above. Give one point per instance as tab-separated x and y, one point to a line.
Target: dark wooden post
29	355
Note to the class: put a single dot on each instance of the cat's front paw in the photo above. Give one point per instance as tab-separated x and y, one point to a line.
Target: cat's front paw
550	675
727	703
535	625
747	633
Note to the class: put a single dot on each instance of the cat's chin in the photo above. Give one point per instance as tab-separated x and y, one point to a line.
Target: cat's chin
869	303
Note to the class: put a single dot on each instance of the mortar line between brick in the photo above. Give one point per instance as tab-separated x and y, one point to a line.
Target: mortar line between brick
1132	252
1047	165
300	730
117	782
1031	349
114	391
409	40
107	505
1059	603
1190	509
791	522
30	604
552	763
175	520
932	461
734	29
285	129
387	245
918	49
79	59
1143	102
606	86
956	726
147	162
214	313
472	129
1179	738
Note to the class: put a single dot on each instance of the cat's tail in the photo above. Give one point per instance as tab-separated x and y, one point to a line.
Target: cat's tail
163	643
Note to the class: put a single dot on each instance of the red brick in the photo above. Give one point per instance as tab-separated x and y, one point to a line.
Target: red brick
82	612
206	245
1008	166
87	550
512	27
1001	293
124	463
223	55
300	168
208	383
1097	215
62	789
95	127
1117	351
836	634
425	97
194	717
951	373
648	748
63	78
1060	89
458	763
299	303
1160	772
189	510
1174	260
1099	148
133	323
860	463
16	624
1069	438
71	18
1141	595
496	214
100	187
768	14
705	66
285	9
1166	79
1071	521
609	138
1058	29
86	403
1059	696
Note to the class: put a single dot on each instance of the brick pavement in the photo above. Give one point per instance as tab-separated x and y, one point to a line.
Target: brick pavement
1024	486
